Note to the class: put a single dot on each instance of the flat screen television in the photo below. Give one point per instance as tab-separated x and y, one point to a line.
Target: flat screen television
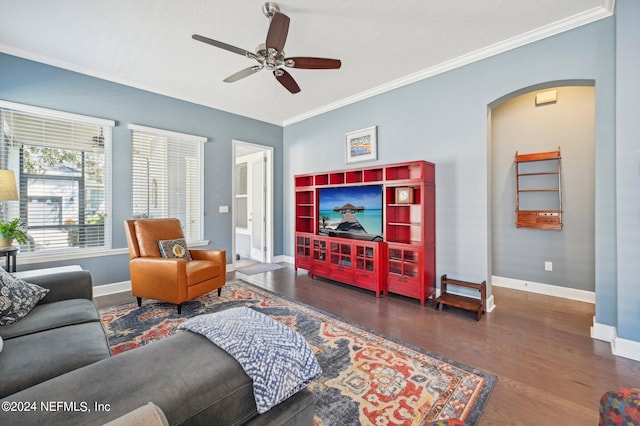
351	211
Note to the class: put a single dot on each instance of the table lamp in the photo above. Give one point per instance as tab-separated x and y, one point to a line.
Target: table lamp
8	191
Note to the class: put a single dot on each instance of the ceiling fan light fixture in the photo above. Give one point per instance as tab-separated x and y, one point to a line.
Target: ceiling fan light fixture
269	9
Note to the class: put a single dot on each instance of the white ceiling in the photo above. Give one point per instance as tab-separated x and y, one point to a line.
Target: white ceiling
383	44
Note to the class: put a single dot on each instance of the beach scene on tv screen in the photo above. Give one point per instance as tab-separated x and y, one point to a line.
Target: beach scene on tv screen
352	209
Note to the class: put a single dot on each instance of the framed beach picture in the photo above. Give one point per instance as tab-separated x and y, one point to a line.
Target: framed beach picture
362	145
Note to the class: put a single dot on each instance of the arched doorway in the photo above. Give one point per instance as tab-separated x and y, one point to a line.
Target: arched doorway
518	256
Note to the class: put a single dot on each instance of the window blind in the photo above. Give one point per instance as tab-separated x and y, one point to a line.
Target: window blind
167	177
62	164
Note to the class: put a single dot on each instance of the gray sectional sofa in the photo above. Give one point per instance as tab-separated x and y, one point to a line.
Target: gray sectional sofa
56	368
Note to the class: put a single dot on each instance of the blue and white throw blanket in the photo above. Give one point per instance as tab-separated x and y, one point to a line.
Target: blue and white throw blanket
276	357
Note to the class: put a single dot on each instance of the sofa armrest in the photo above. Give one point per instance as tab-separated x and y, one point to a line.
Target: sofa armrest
65	285
157	268
217	255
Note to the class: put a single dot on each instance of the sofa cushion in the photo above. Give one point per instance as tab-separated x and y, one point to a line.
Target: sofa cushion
149	231
17	297
192	380
34	358
202	270
52	315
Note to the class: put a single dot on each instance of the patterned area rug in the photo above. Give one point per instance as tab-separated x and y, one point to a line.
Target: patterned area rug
368	379
259	268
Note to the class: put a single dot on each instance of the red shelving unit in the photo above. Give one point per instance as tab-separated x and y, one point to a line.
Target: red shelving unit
404	263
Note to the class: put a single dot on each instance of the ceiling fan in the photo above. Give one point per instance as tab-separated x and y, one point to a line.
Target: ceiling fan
270	55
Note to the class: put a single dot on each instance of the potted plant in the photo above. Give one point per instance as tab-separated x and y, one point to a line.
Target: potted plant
13	230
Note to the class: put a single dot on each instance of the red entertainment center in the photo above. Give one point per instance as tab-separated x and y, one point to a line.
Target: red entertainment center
384	241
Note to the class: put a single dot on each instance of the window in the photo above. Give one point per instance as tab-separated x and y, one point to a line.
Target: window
62	164
167	177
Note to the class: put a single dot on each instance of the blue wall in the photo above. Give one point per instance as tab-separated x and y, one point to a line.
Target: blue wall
444	119
44	86
628	172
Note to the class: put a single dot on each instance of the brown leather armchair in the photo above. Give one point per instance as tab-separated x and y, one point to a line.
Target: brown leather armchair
169	279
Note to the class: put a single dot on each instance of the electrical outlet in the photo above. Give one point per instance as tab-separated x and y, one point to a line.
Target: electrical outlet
548	266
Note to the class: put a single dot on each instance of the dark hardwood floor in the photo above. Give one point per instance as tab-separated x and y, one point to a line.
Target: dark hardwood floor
550	371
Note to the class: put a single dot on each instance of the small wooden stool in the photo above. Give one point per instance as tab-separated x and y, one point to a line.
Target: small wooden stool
464	302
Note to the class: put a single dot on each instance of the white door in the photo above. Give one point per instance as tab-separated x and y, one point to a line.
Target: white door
253	201
257	205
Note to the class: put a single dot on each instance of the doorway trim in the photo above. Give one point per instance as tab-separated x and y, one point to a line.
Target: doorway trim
248	147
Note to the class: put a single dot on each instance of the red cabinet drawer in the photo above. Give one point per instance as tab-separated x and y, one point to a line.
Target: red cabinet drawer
404	285
304	262
366	280
321	269
342	273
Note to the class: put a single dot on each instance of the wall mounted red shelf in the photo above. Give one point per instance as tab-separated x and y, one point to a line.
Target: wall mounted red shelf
404	262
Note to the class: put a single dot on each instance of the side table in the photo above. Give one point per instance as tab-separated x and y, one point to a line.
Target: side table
10	254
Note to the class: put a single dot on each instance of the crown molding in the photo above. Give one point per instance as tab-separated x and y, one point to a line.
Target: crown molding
575	21
605	10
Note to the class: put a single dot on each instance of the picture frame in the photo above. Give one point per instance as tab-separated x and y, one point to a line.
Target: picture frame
404	195
361	145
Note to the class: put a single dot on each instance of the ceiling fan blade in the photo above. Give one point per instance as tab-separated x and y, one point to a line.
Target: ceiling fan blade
313	63
224	46
242	74
286	80
278	29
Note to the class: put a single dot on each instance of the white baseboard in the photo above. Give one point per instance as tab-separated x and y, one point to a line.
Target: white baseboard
107	289
45	271
283	258
626	348
620	347
547	289
491	305
603	332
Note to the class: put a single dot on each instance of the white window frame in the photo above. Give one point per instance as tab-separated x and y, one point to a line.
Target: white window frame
50	255
190	201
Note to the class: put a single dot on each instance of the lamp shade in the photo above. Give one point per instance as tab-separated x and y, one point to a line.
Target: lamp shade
8	189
